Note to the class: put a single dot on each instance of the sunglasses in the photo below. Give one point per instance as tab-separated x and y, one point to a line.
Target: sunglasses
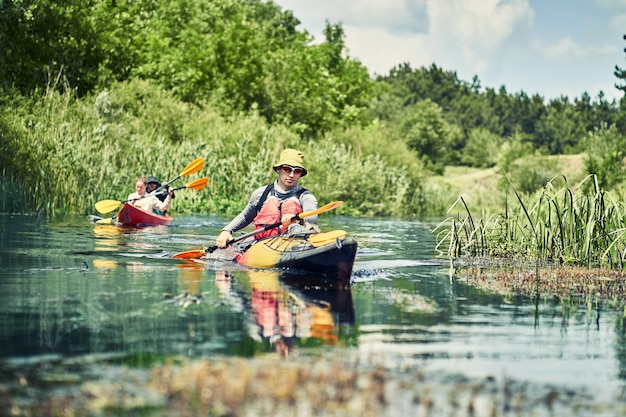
288	170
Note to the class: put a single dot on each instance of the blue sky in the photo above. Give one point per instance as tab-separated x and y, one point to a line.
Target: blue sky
545	47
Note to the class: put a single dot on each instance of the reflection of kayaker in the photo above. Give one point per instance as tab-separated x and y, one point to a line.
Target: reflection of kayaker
280	316
273	311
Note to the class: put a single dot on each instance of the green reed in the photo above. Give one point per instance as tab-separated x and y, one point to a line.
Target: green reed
63	154
583	225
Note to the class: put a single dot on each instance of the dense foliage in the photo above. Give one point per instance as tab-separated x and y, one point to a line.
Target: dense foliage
96	92
241	54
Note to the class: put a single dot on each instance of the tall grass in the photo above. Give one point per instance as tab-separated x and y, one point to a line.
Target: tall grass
63	154
563	225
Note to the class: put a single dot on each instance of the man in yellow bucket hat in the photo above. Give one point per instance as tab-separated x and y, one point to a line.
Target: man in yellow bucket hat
276	202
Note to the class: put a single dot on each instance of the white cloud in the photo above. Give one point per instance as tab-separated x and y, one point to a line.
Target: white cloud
484	23
468	34
566	50
454	34
397	14
380	50
494	39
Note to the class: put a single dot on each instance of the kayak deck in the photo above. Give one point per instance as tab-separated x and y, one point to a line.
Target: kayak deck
330	254
332	258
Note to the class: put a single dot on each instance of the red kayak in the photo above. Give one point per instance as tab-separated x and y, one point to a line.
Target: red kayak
130	215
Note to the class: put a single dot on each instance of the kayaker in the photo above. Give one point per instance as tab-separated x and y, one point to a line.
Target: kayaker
147	202
279	201
152	183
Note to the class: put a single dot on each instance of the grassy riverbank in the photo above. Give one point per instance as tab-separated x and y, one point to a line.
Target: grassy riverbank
570	220
485	191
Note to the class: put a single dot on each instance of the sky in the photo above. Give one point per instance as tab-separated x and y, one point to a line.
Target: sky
552	48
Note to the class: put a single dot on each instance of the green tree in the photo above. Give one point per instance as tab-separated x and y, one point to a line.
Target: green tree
560	129
482	149
606	150
48	44
314	88
426	131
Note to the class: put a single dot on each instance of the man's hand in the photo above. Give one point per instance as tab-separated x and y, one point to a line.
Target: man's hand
223	238
286	221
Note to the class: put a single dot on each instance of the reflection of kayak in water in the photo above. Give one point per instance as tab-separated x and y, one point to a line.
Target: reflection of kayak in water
329	254
281	314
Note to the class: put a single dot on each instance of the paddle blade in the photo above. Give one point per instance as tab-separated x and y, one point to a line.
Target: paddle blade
193	167
322	209
190	254
198	184
107	206
105	221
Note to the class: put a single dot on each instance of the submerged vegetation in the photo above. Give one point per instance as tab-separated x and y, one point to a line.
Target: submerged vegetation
592	289
310	386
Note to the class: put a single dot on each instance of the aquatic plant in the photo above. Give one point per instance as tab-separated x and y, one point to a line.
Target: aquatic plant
562	225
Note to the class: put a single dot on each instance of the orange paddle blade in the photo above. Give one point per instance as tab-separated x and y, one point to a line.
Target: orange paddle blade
193	167
190	254
198	184
322	209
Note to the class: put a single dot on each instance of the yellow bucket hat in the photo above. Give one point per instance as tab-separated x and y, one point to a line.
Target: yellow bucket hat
292	158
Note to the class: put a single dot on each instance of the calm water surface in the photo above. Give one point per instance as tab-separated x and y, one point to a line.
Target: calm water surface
69	287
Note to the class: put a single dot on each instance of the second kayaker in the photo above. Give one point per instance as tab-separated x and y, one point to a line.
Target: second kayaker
148	202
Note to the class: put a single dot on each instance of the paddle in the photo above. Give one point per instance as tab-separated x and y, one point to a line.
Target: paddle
194	254
193	167
107	206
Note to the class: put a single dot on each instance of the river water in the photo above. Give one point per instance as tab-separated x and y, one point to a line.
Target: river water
69	287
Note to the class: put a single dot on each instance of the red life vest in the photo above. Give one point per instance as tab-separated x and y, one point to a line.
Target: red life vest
272	212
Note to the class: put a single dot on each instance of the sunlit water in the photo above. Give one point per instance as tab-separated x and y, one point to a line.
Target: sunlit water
69	287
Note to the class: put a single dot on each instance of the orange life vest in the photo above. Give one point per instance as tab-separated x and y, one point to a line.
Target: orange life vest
272	211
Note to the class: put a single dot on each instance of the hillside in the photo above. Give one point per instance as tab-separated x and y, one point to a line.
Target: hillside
479	187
